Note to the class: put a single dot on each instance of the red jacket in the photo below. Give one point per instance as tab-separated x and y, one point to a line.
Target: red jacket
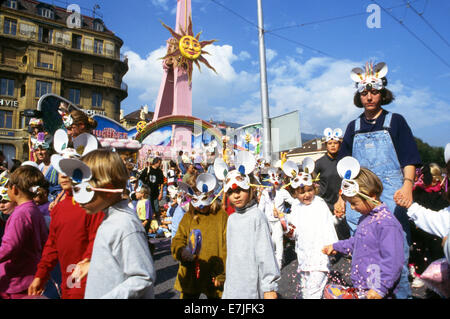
71	239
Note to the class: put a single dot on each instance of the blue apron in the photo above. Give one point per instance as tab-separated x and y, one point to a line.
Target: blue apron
376	151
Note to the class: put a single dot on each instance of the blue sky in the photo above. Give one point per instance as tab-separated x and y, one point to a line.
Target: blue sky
308	66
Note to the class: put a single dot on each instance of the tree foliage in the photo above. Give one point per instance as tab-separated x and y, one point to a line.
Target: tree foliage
430	154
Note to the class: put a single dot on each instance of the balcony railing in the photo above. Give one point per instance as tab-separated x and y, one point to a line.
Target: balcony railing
102	81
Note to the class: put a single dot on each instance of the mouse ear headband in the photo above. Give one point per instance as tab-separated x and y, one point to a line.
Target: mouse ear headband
81	174
371	77
245	164
330	134
83	144
300	179
348	169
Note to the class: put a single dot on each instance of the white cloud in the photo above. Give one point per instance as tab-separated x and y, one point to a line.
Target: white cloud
270	54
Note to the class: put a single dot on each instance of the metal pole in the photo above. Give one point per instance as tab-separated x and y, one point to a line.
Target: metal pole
267	139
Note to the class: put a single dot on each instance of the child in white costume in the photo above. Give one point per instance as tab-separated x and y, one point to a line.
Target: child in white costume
267	205
312	225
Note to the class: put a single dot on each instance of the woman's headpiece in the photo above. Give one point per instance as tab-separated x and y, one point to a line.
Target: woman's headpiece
371	77
36	122
41	140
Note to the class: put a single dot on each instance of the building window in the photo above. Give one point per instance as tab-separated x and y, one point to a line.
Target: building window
97	100
24	121
11	4
8	150
45	35
98	72
98	26
74	96
42	88
76	41
75	68
45	60
46	13
9	56
10	26
7	87
6	119
98	46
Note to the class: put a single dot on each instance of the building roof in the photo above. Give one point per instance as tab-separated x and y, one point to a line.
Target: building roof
60	14
136	116
311	146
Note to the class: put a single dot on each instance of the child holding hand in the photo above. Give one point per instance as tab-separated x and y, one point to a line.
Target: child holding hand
377	245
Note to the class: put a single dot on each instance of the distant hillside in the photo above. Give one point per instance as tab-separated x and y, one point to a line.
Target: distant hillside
307	137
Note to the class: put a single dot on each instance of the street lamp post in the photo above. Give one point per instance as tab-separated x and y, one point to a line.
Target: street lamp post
267	144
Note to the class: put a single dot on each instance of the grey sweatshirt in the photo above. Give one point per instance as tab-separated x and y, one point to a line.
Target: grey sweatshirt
251	268
121	264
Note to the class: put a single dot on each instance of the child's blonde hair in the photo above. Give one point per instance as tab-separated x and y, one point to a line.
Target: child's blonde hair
145	192
108	169
28	180
369	183
436	172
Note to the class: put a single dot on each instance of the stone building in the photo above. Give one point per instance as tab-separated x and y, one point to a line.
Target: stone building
50	49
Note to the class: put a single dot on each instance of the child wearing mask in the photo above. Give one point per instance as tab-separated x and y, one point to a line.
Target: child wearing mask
313	227
377	245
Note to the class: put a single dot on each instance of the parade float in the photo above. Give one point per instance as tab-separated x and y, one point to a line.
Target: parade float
173	128
52	109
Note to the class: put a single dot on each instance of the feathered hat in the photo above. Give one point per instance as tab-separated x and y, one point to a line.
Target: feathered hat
371	77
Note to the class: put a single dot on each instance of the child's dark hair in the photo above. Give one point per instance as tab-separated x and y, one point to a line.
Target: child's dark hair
43	190
28	180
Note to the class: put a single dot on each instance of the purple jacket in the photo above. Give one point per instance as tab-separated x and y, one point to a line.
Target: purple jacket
21	248
377	251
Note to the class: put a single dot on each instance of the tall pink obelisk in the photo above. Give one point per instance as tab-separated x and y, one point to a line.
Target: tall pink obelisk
175	92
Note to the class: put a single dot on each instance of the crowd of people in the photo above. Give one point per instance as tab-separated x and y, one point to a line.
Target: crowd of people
76	219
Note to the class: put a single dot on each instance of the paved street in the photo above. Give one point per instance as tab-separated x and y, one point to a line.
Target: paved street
167	267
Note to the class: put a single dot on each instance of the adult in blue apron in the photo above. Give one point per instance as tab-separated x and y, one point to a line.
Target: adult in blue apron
382	142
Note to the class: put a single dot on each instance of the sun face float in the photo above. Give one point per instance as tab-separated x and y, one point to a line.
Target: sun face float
187	49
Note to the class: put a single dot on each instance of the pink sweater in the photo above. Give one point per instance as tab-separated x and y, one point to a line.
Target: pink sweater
22	244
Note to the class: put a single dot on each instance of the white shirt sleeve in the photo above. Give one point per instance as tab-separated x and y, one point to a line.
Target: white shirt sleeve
433	222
